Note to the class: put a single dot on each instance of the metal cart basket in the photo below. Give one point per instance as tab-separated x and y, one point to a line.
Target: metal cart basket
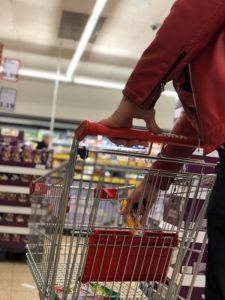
99	254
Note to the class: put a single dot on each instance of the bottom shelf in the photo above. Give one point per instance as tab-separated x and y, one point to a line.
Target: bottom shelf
10	243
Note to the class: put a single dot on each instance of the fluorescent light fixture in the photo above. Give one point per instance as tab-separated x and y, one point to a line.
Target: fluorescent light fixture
82	80
114	85
89	28
108	50
46	75
99	83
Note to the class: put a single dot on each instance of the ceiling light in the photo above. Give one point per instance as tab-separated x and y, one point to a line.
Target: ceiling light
89	28
82	80
99	83
43	75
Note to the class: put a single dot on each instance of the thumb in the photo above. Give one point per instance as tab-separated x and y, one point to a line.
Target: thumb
151	123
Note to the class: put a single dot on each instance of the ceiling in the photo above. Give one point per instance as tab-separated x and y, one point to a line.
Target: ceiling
29	31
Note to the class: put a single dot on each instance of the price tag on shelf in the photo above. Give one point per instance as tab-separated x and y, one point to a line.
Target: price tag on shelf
7	99
39	166
10	69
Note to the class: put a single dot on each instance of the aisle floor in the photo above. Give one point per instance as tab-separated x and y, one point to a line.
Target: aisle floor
16	282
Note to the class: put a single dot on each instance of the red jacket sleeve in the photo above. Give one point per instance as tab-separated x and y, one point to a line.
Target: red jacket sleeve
189	27
181	127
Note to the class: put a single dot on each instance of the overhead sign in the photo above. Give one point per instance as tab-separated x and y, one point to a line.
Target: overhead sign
7	99
10	69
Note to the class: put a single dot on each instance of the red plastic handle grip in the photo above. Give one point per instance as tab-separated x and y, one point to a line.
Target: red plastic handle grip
90	128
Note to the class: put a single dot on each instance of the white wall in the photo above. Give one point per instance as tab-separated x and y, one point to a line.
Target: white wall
77	102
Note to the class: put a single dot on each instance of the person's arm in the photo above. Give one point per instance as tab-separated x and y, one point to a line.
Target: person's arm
148	189
189	27
181	127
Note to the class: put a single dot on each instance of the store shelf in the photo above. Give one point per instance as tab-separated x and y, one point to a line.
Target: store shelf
14	230
188	278
14	189
15	209
23	170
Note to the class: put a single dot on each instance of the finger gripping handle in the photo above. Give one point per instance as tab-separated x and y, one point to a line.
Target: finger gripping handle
90	128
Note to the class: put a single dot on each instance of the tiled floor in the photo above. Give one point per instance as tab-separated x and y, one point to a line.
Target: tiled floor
16	282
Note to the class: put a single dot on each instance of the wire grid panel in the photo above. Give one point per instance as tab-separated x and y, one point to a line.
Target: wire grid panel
101	255
45	207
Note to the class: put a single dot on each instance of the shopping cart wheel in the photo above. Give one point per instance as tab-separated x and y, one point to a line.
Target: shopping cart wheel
83	152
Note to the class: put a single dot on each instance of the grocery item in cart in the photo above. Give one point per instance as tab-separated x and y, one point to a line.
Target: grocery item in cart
92	291
130	219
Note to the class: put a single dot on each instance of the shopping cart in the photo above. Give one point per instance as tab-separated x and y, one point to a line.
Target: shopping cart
98	254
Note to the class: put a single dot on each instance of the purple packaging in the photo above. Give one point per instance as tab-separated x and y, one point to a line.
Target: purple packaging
177	207
198	293
15	154
6	153
26	154
37	157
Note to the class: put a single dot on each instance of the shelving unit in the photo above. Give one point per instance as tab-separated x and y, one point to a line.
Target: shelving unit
13	236
40	171
13	189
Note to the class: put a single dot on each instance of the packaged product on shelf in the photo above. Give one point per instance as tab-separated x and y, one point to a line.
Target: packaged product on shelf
44	156
4	177
49	160
15	238
15	177
6	153
26	154
5	237
11	196
25	178
20	219
37	157
2	196
22	198
8	217
16	154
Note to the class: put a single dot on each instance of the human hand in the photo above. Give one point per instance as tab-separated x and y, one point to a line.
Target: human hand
140	202
123	118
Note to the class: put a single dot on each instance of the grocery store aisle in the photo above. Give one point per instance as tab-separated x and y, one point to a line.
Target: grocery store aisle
16	282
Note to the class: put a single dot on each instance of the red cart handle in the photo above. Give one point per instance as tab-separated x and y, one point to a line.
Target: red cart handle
90	128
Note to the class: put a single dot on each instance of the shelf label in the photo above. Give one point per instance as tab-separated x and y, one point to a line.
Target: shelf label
42	167
7	99
10	69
